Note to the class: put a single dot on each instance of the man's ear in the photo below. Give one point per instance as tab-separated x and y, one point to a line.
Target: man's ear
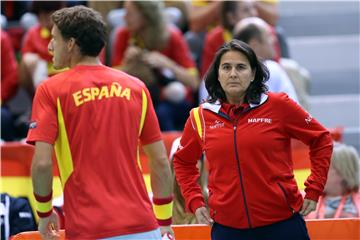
254	43
71	44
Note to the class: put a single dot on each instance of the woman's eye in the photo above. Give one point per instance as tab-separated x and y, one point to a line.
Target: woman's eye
240	67
226	67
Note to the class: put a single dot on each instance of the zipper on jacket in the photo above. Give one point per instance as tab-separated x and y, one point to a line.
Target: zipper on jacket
286	197
240	175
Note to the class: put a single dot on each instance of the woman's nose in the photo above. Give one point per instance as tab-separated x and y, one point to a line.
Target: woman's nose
233	71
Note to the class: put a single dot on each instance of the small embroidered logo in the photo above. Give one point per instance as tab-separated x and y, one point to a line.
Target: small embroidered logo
217	124
308	119
32	125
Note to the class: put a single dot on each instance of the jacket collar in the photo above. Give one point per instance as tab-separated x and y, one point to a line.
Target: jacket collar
215	107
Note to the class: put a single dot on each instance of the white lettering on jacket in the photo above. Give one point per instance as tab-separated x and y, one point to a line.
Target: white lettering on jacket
217	124
260	120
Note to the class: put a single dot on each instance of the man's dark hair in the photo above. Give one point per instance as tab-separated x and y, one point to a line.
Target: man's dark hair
83	24
256	88
251	31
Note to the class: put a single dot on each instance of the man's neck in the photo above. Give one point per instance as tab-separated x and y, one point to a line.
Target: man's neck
85	60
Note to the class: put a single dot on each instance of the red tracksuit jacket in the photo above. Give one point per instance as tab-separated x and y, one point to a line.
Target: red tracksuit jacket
251	181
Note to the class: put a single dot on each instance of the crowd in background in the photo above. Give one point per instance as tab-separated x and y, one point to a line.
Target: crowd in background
169	45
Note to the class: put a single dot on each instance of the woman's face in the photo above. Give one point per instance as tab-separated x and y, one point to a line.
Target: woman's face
235	75
133	17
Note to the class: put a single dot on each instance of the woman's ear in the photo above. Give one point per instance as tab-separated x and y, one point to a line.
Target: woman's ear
253	74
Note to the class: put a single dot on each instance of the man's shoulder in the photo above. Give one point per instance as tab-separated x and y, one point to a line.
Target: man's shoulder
129	80
57	82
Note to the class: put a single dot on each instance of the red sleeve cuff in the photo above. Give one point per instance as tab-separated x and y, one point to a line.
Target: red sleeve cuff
166	222
162	201
43	198
312	194
195	204
44	215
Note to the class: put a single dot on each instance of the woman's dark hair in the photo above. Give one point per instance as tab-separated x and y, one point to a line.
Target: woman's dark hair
256	88
83	24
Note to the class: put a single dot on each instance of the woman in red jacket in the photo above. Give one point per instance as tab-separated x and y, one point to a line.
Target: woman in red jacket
245	132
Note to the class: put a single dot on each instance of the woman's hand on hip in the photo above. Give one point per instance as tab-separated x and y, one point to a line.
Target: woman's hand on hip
203	216
308	206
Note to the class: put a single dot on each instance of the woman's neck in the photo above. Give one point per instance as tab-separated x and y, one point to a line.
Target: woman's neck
235	100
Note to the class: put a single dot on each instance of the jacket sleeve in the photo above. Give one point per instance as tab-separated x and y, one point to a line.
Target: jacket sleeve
301	125
186	172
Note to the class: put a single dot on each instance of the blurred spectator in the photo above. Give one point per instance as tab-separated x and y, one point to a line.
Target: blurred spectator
341	197
203	14
104	7
8	69
3	21
180	215
231	13
35	65
300	78
257	34
8	86
183	6
268	10
156	52
13	10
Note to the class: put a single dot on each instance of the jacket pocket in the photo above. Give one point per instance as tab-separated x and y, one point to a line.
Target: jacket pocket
211	204
285	194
